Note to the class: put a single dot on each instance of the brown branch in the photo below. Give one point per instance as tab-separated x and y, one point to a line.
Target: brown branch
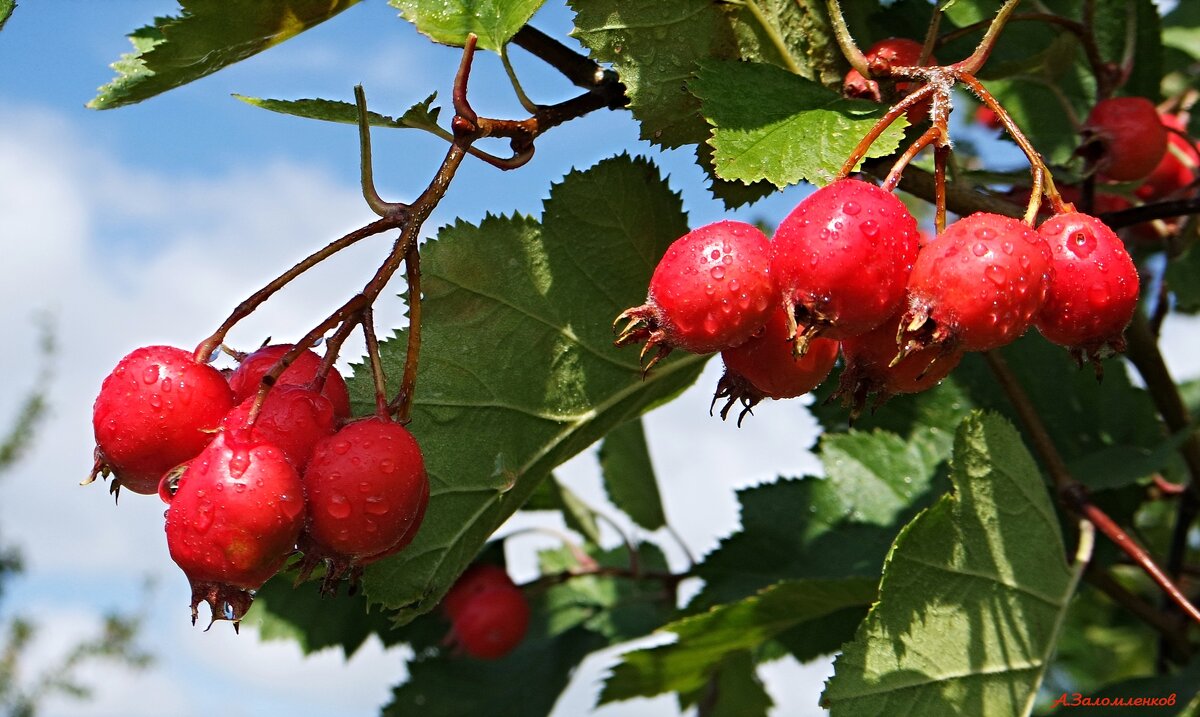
1150	212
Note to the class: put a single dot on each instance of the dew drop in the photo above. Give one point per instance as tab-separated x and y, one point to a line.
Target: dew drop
1098	295
341	447
376	506
155	401
716	254
338	507
291	507
869	228
150	375
238	463
204	517
364	487
1007	246
979	249
165	386
710	325
851	208
709	289
718	273
996	275
387	465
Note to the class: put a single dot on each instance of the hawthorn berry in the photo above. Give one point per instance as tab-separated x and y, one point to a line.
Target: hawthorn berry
842	258
233	516
1179	164
1128	137
158	408
245	379
874	366
711	289
292	417
883	55
366	488
976	286
489	614
767	367
1093	290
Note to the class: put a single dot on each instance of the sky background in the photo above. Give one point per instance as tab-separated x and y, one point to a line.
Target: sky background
148	224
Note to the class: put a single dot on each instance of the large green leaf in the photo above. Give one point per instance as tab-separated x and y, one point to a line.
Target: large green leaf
6	11
314	621
973	594
450	21
422	115
791	34
655	46
206	36
1181	29
771	124
706	640
578	516
629	475
517	369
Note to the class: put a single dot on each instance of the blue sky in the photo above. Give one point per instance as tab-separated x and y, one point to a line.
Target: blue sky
149	223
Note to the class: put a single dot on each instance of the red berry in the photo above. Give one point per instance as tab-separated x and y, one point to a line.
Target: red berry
158	408
987	117
1178	167
887	53
1130	136
766	367
977	286
366	488
477	579
1094	288
872	369
234	518
842	258
246	377
711	290
292	417
491	623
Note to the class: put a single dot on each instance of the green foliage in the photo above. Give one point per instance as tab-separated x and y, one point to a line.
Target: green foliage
550	384
771	124
6	11
206	36
1183	276
629	475
973	594
422	115
450	21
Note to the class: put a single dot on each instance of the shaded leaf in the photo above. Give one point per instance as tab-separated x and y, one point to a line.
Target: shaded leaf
973	594
803	30
206	36
538	379
707	639
420	116
450	21
1181	29
629	475
734	690
313	621
578	516
1183	277
769	124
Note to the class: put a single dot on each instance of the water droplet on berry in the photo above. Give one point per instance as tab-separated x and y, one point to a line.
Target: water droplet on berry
979	249
996	275
204	516
387	465
734	285
869	228
985	233
852	208
165	386
238	463
341	447
1098	295
155	401
716	254
376	506
1081	244
1024	261
727	259
710	325
150	375
1007	247
718	273
338	506
710	289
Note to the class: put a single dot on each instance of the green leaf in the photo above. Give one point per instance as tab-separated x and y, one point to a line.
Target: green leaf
1112	21
313	621
1181	29
733	194
1183	276
420	116
553	495
539	380
803	30
629	475
655	47
706	640
6	11
734	690
773	125
973	594
450	21
205	37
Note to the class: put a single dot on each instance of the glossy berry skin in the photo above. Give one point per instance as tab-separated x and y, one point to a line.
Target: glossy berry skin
889	52
843	256
712	289
977	286
158	408
366	487
476	580
492	624
870	370
246	377
292	417
233	520
1131	136
1179	164
1094	289
766	366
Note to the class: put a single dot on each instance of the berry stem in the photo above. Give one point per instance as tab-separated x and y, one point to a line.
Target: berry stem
941	155
368	325
367	173
972	64
930	135
884	122
845	40
402	405
1086	38
529	105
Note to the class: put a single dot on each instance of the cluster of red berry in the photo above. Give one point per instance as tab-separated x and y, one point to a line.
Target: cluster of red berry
488	613
846	268
250	480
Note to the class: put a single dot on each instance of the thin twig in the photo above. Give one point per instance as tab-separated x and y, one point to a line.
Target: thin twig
368	327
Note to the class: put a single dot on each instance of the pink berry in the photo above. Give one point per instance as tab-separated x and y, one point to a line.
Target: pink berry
246	378
366	490
766	367
1130	135
711	290
292	417
232	520
977	286
842	258
1094	289
158	408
